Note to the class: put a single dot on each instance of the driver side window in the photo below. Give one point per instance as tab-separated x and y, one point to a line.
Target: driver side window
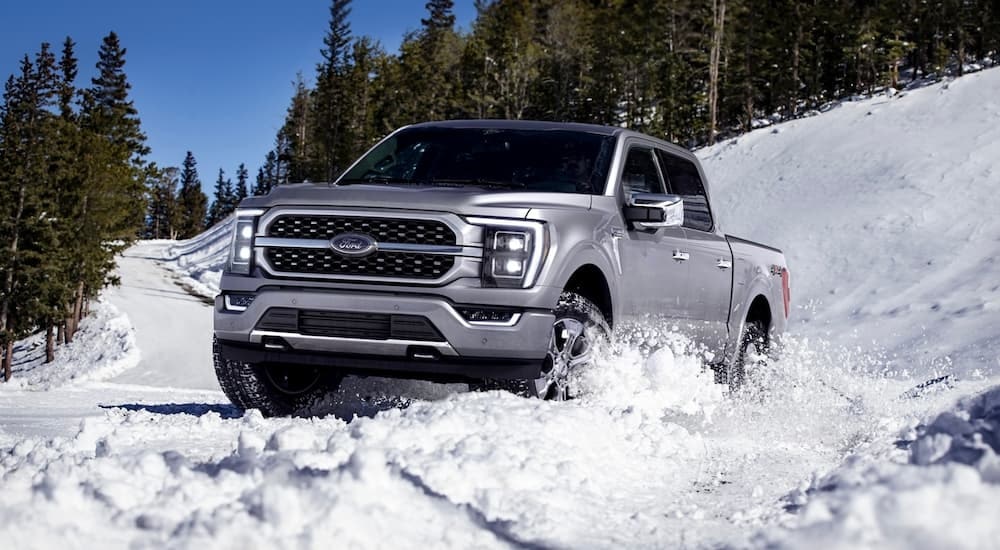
640	174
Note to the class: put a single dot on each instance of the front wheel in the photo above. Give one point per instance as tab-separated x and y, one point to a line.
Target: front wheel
578	327
276	390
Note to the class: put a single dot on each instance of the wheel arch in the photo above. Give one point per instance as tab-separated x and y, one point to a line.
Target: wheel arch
589	281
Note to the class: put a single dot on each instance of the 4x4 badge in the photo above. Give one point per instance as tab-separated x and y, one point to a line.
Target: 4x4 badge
353	245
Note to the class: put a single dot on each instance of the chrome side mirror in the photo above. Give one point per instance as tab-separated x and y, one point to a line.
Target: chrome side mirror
653	211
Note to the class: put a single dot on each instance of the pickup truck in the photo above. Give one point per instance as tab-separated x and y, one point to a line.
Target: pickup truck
496	252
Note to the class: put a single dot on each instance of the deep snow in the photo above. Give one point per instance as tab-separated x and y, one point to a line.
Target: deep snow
885	210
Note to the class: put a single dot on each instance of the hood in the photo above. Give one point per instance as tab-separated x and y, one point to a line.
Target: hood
463	201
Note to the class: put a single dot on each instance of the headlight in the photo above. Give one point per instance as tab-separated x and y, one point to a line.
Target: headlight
513	252
241	248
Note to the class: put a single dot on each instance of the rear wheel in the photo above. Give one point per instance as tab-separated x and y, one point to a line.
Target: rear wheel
276	390
753	344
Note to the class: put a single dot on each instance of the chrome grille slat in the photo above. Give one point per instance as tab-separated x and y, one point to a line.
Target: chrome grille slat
420	247
389	230
381	264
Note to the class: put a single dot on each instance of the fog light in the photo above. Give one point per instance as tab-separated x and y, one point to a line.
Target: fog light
489	316
238	302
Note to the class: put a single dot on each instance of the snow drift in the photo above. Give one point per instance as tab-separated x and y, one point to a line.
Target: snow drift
103	347
944	495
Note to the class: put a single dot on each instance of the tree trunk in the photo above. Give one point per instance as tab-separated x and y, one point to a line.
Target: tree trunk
12	253
718	24
793	95
748	80
61	333
50	344
73	321
8	358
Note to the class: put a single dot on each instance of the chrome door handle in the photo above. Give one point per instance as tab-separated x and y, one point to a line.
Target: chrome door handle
724	264
681	256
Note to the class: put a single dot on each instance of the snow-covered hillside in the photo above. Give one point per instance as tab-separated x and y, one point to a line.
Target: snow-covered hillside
885	210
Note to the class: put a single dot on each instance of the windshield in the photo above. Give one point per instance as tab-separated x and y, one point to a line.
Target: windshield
560	161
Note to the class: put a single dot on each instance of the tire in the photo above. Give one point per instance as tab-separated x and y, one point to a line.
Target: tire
753	342
578	326
275	390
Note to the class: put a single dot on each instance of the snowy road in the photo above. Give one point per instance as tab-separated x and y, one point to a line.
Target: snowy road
125	442
173	328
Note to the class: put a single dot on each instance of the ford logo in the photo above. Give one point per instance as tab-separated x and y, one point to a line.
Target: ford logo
354	245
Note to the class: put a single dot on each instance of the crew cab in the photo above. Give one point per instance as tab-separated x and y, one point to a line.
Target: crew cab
492	252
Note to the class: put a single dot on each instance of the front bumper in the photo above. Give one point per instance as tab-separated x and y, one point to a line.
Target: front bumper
466	350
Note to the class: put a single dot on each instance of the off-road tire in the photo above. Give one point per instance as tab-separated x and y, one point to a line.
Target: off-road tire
250	386
571	306
753	342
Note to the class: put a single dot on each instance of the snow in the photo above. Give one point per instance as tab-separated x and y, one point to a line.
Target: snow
884	207
199	261
103	347
944	495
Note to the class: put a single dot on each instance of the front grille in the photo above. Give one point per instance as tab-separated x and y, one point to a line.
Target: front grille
403	265
386	230
343	324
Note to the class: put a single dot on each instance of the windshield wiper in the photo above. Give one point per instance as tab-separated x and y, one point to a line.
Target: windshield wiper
374	179
479	182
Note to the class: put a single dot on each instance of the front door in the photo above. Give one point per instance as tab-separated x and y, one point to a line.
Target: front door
655	272
711	260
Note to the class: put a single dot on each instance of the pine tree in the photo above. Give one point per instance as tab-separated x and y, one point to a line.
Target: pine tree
163	205
113	188
223	200
330	113
68	67
241	184
295	135
191	200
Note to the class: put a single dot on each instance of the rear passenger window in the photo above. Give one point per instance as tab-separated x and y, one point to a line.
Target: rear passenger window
683	179
640	174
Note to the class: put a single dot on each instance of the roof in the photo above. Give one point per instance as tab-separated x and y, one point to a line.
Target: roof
522	125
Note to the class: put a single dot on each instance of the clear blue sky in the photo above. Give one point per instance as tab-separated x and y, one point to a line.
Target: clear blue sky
210	76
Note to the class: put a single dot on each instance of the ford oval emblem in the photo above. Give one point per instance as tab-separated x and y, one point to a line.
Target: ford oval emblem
353	245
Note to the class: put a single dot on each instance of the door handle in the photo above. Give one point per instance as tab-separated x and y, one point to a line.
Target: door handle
724	263
681	256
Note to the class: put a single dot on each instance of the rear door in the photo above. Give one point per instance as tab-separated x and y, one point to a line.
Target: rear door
654	281
711	261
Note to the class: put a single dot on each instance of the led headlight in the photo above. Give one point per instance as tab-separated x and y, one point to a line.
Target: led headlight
513	252
241	248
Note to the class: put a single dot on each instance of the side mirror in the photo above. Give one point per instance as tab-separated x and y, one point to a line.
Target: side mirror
653	211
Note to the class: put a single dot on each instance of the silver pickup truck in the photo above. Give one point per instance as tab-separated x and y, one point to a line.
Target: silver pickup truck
494	252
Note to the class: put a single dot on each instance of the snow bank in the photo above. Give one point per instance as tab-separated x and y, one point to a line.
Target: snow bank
885	210
945	494
199	261
103	347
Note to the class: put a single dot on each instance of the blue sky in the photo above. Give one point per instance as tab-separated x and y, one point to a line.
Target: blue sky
210	76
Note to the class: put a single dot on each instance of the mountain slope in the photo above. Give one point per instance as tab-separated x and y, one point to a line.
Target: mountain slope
885	210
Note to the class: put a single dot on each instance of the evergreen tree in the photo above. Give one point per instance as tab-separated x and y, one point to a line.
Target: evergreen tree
295	136
241	184
330	110
191	200
112	193
223	200
68	67
163	204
